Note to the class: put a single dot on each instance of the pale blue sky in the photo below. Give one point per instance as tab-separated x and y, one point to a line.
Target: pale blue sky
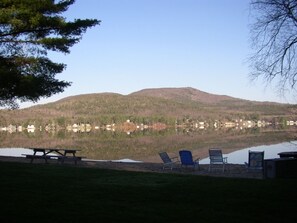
140	44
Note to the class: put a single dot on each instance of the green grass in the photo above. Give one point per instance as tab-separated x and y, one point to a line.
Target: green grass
56	193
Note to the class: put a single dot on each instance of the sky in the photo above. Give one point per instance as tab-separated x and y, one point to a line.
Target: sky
204	44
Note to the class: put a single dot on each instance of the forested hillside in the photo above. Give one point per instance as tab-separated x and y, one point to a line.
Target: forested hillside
151	105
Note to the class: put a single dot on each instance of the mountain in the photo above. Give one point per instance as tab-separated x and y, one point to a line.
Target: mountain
184	94
158	103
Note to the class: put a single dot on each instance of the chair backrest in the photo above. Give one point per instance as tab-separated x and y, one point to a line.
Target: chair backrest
165	158
186	157
215	155
256	160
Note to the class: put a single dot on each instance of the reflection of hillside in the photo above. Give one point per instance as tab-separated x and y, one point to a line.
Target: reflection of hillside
137	126
145	145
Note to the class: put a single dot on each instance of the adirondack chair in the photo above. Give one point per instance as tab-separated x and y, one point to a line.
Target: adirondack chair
255	161
216	159
168	162
186	159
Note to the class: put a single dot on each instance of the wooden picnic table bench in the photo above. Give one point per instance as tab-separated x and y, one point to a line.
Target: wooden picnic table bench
61	154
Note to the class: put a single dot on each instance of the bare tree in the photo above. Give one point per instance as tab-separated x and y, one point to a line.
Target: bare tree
274	41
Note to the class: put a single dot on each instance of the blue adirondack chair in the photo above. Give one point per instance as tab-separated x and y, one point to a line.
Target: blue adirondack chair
186	159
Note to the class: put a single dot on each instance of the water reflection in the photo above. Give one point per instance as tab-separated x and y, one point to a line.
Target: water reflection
237	157
145	145
270	152
15	152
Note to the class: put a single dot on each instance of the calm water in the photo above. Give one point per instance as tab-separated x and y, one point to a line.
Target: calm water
237	157
145	145
270	152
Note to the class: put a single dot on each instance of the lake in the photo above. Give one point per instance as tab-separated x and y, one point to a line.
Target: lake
270	152
237	157
145	145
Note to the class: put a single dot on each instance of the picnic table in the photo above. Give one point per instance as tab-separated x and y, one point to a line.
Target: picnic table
53	153
288	154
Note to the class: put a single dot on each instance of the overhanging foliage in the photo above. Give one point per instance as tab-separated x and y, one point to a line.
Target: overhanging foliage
28	30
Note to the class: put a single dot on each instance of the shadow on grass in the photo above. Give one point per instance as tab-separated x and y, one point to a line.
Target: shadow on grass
55	193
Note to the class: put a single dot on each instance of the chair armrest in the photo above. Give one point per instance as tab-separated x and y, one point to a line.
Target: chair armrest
196	159
225	159
175	159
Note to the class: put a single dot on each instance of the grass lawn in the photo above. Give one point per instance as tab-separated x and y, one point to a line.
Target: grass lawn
56	193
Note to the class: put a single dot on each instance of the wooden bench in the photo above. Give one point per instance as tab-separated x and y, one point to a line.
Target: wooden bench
54	153
71	158
280	168
59	158
35	156
292	154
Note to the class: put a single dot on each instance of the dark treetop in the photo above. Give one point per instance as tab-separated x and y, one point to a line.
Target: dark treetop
28	30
